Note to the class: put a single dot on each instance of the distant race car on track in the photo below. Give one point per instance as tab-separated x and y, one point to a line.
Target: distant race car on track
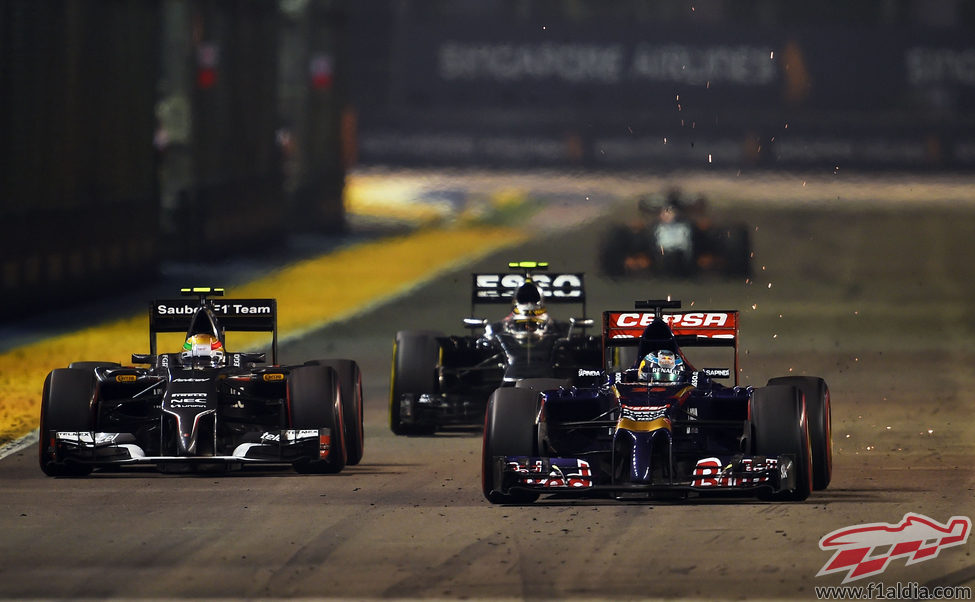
203	407
675	238
657	426
440	380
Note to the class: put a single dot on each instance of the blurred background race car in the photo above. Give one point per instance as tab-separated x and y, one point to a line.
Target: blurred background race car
674	237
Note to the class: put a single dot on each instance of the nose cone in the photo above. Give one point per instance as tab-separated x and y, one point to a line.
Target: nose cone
189	432
191	396
187	441
646	452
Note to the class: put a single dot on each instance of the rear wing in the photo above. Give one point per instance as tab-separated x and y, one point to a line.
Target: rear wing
493	288
690	328
500	287
712	328
236	315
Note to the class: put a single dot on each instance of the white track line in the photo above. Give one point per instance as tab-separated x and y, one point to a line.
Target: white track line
18	444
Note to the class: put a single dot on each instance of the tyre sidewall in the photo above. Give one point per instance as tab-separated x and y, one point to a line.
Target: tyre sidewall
68	403
509	430
818	413
416	360
350	384
314	402
779	427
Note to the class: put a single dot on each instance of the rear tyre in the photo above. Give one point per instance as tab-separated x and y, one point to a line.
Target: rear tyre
820	424
350	383
416	357
67	404
315	402
509	430
779	427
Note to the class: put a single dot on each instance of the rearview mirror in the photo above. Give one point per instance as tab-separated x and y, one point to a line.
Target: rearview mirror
583	322
143	358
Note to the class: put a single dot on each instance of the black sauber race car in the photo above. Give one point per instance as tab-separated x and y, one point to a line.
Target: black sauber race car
439	380
202	408
658	427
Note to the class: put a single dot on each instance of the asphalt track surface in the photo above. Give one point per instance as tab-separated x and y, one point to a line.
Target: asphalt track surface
876	298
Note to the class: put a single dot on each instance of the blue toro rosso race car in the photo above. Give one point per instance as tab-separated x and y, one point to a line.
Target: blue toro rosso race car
654	426
203	407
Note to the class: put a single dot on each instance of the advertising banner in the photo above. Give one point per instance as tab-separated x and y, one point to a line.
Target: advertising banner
618	95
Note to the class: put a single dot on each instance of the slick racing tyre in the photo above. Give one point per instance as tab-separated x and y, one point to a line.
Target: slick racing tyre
67	405
350	383
820	429
509	430
779	428
315	402
416	358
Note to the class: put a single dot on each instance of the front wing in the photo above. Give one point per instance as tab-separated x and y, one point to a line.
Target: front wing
444	409
577	476
271	447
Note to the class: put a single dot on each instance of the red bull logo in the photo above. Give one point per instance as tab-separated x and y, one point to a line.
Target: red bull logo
559	476
866	550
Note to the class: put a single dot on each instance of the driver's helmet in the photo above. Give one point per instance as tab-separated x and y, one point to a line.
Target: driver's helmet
205	347
663	366
528	315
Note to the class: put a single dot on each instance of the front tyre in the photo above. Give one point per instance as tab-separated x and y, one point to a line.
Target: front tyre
818	412
67	405
509	430
314	403
779	427
416	358
350	383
